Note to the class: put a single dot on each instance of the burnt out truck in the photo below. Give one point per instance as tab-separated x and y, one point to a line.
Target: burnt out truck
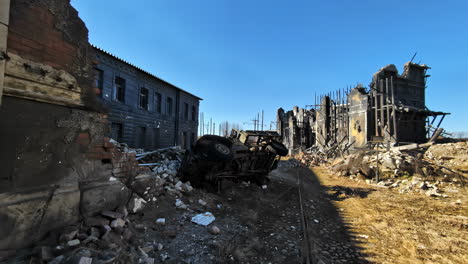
241	156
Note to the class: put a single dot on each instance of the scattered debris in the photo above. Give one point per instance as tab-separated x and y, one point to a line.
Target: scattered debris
203	219
214	230
161	221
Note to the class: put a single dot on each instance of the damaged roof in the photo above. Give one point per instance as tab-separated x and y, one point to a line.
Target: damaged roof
141	70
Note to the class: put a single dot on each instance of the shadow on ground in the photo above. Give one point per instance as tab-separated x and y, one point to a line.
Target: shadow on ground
331	238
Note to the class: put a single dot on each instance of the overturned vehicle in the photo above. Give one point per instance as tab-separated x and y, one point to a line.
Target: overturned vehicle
244	155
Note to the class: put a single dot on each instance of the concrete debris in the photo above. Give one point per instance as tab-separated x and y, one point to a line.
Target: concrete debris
136	204
85	260
203	219
112	215
180	205
117	223
73	243
161	221
201	202
214	230
160	246
46	254
69	235
408	171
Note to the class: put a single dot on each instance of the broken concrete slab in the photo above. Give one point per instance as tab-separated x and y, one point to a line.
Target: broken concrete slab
136	203
98	196
118	223
203	219
112	215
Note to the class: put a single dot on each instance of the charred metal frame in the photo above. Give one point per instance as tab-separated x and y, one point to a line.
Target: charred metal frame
391	109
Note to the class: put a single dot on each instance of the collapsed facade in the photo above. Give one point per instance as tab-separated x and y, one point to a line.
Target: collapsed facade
144	110
392	111
57	163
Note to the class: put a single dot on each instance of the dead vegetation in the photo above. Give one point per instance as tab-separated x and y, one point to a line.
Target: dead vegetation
403	228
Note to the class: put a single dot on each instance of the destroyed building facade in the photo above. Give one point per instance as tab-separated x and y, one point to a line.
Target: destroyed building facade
392	112
57	163
144	110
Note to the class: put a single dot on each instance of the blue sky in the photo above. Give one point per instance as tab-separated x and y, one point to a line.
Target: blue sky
244	56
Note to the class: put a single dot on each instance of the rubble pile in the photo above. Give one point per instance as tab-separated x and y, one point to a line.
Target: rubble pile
407	171
160	172
450	155
161	176
99	239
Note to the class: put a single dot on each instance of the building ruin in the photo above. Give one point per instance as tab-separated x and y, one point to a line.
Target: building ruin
391	111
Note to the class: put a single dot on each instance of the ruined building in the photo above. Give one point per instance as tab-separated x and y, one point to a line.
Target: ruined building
144	110
392	111
57	162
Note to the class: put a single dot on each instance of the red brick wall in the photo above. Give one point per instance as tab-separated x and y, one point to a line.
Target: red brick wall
124	164
33	35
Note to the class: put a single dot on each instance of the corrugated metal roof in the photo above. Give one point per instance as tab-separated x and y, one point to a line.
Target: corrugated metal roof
140	69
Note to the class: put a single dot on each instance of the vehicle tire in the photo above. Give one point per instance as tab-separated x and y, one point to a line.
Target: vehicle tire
214	148
277	148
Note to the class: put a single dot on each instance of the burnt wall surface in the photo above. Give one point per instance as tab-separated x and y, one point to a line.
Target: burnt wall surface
155	125
56	161
391	110
295	128
51	33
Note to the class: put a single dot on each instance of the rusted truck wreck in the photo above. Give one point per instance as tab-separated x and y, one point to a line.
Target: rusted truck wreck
391	111
244	155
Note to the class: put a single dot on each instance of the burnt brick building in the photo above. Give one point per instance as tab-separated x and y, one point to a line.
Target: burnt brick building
144	110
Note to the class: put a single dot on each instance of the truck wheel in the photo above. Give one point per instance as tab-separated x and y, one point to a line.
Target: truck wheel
214	148
277	148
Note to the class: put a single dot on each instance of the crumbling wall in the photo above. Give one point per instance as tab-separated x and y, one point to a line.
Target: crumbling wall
391	111
55	164
295	128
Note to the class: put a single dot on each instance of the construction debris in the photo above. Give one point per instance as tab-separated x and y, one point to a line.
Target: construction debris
441	165
385	113
203	219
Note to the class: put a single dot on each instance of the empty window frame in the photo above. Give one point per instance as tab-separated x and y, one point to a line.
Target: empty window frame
186	111
184	140
117	131
156	137
157	102
169	105
141	137
120	89
192	139
194	113
143	98
99	79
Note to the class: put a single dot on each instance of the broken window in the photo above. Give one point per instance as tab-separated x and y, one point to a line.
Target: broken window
99	80
157	102
120	89
192	139
186	111
117	131
194	113
184	140
143	102
141	137
156	135
169	105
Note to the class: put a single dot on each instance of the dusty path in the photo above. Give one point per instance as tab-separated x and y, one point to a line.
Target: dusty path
257	226
392	227
346	222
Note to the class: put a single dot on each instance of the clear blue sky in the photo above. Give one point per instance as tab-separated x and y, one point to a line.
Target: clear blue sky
243	56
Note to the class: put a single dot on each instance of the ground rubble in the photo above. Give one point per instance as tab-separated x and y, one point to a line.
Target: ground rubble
436	172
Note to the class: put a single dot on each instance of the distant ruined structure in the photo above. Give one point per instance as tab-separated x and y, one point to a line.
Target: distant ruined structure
391	111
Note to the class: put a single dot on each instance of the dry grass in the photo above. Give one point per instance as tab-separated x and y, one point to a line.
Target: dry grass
405	228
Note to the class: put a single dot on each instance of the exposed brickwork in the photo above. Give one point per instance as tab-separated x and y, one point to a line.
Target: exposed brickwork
32	34
50	32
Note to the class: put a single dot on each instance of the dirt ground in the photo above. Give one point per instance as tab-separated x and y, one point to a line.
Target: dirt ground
401	228
344	222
